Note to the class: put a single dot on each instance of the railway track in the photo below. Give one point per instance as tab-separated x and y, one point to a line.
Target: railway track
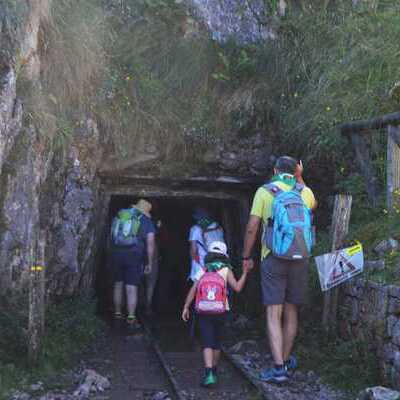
182	363
160	362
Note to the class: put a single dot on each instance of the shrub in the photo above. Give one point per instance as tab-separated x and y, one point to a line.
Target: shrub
71	327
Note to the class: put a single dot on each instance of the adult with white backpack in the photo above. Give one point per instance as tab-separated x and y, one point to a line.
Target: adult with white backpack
283	207
132	238
205	231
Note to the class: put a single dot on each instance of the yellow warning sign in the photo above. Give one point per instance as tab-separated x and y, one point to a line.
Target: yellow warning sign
351	251
36	268
339	266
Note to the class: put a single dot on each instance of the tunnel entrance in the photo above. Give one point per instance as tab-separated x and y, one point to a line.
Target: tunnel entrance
173	205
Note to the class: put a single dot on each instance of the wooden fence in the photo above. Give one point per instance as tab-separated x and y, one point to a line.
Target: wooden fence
356	132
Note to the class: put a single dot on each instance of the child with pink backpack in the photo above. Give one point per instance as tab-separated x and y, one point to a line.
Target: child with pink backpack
211	305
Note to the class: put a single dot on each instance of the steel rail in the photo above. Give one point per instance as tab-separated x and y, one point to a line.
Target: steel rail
167	369
255	383
250	378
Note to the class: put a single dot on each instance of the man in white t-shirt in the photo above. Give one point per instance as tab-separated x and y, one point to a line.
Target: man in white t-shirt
198	248
197	252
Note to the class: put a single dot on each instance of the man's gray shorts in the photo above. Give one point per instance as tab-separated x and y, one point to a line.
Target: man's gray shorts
284	281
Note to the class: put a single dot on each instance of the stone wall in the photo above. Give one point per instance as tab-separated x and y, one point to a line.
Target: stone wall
370	314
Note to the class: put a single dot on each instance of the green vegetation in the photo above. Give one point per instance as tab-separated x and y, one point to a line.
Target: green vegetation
73	65
146	69
326	66
12	16
347	365
73	326
150	74
158	80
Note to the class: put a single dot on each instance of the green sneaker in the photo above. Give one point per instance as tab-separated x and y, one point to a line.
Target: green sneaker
209	380
132	322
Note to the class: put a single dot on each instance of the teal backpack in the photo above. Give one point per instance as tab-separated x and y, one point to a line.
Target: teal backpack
289	232
125	228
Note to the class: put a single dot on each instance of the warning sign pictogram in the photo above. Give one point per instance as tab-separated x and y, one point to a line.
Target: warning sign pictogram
339	266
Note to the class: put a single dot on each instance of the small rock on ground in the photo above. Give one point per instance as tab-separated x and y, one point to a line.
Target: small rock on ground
379	393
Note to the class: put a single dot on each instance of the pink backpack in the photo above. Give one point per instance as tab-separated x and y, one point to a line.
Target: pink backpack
211	294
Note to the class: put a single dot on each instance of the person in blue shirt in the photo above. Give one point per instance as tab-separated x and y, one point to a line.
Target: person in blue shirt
127	259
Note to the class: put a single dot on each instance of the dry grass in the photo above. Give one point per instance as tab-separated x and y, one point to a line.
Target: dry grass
74	58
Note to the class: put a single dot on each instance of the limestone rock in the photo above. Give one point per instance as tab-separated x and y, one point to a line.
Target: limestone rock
36	387
376	265
92	383
10	114
388	353
234	18
244	346
394	291
386	246
394	305
378	393
17	395
161	396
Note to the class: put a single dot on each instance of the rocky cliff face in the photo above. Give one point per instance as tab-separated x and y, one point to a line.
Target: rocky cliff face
241	20
42	187
56	188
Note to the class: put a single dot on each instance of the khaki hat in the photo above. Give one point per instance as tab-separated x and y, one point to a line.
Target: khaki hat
144	206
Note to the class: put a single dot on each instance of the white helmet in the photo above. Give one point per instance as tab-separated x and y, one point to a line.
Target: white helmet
219	248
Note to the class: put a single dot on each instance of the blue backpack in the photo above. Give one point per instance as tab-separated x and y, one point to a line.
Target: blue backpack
125	229
289	232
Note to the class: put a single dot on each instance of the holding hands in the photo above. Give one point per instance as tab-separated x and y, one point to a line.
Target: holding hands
247	265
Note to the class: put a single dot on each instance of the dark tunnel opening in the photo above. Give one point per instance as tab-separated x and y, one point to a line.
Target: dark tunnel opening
175	214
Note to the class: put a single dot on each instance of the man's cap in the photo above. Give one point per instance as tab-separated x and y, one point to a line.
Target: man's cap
144	206
200	213
218	248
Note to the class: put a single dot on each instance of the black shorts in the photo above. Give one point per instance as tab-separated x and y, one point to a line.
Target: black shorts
284	281
128	267
211	330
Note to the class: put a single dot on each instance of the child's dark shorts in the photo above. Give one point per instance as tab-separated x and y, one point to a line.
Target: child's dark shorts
284	281
211	330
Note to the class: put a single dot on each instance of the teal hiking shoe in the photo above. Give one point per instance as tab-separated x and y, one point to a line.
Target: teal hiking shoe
132	322
274	375
209	380
291	364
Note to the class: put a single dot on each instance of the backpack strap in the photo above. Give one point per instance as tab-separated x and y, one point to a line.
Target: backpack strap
136	222
298	187
206	230
273	189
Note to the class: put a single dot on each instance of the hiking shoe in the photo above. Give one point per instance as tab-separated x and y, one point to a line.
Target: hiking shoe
209	380
118	315
291	364
132	322
274	375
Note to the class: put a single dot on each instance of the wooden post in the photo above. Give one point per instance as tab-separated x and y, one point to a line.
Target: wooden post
36	299
364	160
393	168
339	229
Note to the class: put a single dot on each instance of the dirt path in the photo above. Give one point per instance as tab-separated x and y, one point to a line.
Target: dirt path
135	372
